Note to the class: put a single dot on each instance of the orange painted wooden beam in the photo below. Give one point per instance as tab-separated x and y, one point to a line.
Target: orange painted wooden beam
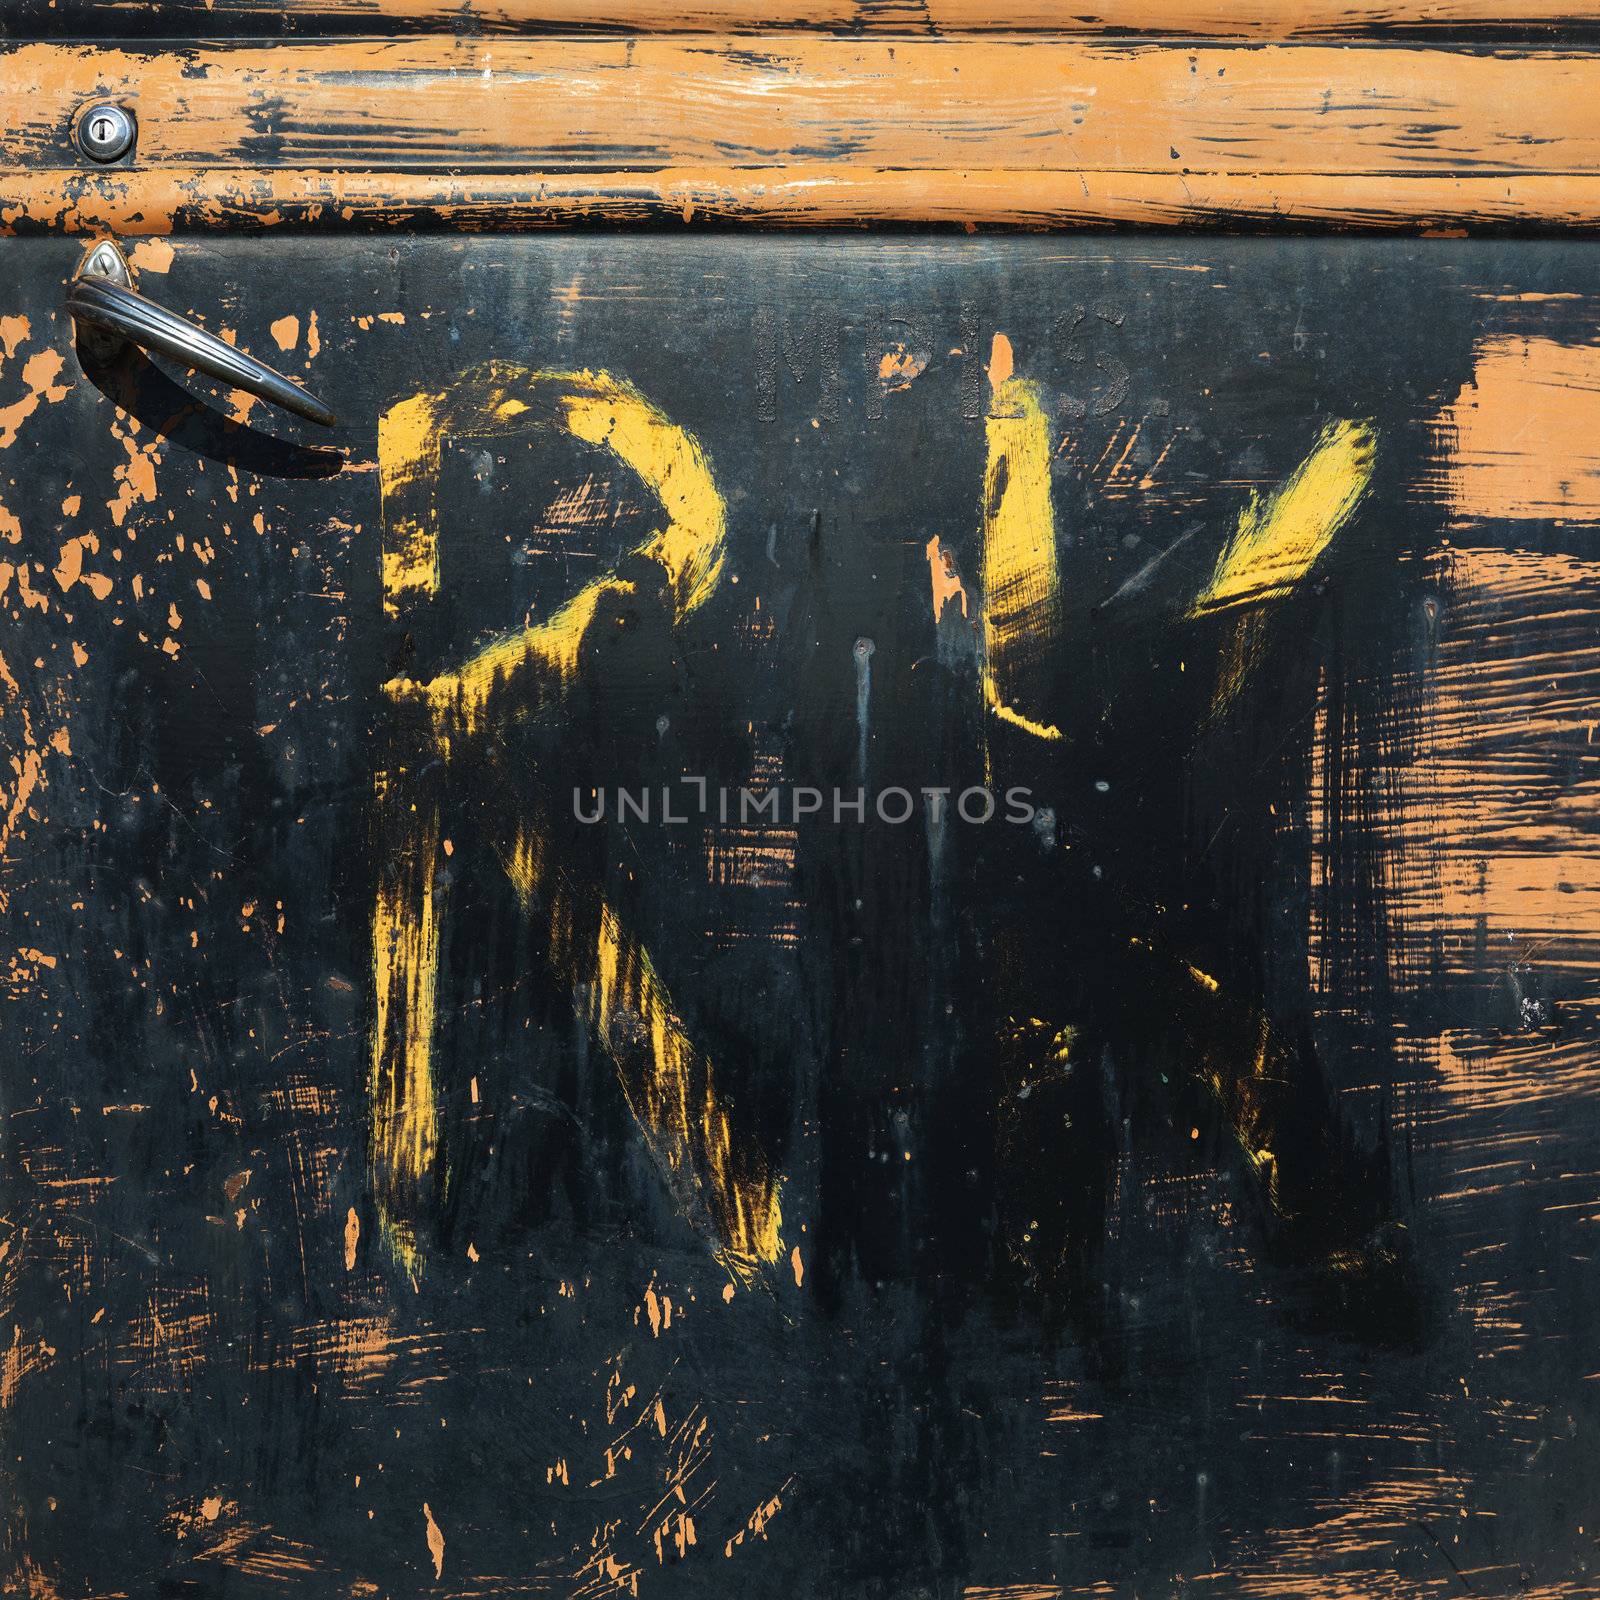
807	130
1262	19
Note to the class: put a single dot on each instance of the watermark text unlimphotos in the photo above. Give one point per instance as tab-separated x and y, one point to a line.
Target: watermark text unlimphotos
692	798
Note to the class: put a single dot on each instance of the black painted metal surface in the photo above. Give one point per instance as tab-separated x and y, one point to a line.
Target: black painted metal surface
1187	1188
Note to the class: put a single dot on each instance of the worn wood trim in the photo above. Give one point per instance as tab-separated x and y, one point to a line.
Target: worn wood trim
163	202
1003	131
1263	19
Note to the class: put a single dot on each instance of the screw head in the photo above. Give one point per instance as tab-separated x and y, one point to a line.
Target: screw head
105	131
106	261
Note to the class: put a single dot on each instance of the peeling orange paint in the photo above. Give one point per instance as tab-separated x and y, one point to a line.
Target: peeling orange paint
70	566
22	1358
13	330
40	377
151	255
24	750
802	195
435	1541
901	367
135	476
1522	439
947	585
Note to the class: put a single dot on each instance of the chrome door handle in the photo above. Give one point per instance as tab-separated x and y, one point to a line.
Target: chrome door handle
98	301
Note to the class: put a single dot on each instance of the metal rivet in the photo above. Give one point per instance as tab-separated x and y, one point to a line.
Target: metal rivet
105	132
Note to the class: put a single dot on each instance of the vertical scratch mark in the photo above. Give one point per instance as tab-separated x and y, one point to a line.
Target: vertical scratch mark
863	655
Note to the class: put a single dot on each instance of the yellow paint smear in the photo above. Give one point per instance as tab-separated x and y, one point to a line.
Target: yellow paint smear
405	971
668	1084
1239	653
499	398
1279	539
1021	577
538	663
408	454
1245	1097
605	411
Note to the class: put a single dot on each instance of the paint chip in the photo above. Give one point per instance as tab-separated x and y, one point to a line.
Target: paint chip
435	1542
151	255
1001	361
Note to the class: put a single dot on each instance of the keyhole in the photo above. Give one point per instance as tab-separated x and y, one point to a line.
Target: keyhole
105	132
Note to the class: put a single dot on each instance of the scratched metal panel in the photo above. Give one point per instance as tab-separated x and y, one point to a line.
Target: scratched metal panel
1183	1180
